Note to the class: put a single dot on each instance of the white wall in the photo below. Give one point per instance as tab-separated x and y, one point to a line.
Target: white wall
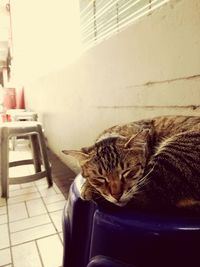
41	31
151	68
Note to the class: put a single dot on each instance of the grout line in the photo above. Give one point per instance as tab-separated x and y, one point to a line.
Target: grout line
27	193
20	201
32	227
27	218
27	209
48	212
9	234
52	220
32	240
4	248
40	256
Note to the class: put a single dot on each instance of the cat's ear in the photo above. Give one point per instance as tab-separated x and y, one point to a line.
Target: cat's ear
79	155
139	138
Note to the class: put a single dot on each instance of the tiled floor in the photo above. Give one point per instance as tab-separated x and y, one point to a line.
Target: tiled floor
30	221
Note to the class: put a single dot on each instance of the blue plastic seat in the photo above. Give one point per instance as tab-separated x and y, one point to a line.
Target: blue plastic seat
96	236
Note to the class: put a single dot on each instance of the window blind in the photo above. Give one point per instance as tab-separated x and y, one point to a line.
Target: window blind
102	18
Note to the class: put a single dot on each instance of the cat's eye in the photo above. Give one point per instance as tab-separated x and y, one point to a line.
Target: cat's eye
125	173
101	179
133	174
129	174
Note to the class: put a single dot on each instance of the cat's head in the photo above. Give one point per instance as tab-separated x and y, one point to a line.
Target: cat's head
114	166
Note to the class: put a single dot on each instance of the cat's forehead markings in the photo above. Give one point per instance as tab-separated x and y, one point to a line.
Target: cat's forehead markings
110	136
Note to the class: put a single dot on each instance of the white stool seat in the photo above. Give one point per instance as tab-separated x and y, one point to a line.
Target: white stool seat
20	114
33	130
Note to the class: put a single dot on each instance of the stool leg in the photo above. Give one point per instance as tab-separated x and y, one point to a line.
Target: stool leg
35	149
4	162
45	156
13	142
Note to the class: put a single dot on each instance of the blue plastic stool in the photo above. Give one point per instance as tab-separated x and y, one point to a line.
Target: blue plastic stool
96	236
102	261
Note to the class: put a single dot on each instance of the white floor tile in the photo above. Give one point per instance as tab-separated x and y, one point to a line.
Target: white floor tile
16	155
3	210
25	185
26	255
18	171
56	206
29	223
61	235
2	202
22	191
31	169
17	212
53	198
31	227
4	238
3	219
22	198
51	257
35	207
5	257
56	189
57	219
46	192
42	181
32	234
13	187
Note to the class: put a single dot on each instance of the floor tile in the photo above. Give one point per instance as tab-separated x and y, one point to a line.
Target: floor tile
22	198
22	191
17	212
35	207
3	219
29	223
26	255
2	202
32	199
5	257
57	219
25	185
4	238
61	235
3	210
57	189
51	257
32	234
42	181
56	206
18	171
46	192
13	187
53	198
31	169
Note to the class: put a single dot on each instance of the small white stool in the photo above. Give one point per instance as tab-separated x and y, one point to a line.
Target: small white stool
34	131
21	115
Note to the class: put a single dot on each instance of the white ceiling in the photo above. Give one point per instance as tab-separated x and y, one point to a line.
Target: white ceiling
5	32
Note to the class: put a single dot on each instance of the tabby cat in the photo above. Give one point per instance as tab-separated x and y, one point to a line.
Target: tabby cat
152	163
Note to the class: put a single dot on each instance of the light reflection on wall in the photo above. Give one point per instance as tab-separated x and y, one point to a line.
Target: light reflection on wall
46	36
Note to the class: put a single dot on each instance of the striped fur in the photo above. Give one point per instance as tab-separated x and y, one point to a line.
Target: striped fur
151	162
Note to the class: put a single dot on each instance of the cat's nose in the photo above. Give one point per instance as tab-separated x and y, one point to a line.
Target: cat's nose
117	196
